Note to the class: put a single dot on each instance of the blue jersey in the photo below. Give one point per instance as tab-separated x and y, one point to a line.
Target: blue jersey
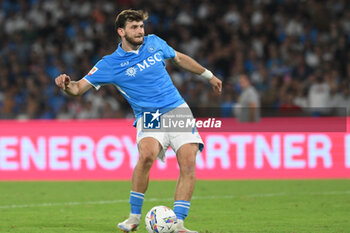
140	77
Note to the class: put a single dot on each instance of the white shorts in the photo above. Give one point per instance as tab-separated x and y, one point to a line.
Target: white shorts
172	138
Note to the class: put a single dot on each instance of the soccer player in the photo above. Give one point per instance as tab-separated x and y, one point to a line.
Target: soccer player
137	70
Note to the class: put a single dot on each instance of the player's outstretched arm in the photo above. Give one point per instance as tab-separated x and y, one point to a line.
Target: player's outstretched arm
188	63
73	88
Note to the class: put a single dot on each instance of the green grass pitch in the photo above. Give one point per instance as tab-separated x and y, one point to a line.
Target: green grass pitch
217	206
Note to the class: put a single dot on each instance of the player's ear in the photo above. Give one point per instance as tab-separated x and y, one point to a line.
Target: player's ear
121	32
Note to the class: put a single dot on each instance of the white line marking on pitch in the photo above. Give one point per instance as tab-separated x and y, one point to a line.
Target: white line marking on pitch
14	206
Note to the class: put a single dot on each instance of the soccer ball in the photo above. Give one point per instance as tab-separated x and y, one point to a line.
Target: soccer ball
160	219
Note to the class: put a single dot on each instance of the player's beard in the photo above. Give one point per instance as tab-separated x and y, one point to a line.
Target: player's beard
132	41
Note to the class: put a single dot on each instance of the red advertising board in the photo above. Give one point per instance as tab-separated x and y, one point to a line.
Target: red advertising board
107	150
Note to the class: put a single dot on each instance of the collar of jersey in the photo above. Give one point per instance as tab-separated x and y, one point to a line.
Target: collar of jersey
122	52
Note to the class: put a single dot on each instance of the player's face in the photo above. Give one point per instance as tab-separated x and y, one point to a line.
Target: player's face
243	82
134	32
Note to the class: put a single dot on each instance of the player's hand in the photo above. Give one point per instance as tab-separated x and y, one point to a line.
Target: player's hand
62	81
217	84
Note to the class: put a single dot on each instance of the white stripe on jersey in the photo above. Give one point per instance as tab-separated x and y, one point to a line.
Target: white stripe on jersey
121	90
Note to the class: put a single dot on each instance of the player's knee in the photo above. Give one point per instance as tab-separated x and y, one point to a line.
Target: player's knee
147	156
146	159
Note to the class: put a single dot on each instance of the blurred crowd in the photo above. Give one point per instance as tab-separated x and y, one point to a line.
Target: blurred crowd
295	53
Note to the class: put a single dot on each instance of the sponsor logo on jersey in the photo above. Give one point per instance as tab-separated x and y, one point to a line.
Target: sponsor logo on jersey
150	61
124	63
131	71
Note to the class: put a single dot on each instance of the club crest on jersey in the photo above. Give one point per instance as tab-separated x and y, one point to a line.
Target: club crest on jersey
131	72
151	49
93	70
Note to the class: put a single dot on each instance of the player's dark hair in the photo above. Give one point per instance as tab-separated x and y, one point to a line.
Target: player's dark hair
130	15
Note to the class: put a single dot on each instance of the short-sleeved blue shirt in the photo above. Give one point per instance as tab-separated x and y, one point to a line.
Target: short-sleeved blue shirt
140	77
